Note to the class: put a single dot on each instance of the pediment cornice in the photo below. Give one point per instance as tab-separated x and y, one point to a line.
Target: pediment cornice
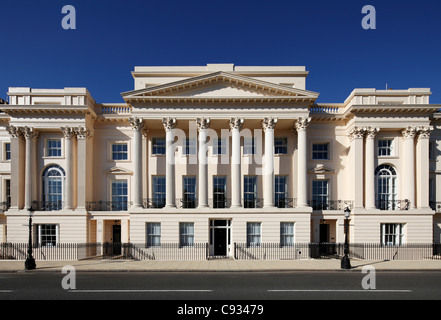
178	91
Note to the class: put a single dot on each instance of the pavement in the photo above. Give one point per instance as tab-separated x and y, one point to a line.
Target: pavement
221	265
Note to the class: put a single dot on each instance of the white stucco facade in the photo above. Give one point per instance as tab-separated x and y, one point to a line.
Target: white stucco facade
175	162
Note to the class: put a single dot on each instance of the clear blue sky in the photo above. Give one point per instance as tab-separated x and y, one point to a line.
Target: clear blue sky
113	36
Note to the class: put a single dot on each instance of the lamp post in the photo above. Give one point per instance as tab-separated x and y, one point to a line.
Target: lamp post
30	261
345	263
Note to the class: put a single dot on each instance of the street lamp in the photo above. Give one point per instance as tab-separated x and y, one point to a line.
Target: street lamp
30	261
345	263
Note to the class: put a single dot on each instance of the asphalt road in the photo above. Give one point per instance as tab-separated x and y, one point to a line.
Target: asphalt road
214	287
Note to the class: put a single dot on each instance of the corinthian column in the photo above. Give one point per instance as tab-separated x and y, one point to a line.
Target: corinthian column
169	126
370	167
356	136
137	125
268	125
235	126
409	134
69	135
422	166
30	136
203	124
302	151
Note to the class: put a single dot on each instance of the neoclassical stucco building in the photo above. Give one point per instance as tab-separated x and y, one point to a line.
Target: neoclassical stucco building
220	154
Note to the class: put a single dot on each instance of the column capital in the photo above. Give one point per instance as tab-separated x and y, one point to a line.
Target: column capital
136	123
269	123
424	132
203	123
236	123
83	133
169	123
14	132
69	132
302	123
371	132
29	133
409	132
356	133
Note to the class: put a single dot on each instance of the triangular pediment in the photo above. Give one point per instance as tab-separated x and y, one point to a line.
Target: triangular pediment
118	170
219	86
321	169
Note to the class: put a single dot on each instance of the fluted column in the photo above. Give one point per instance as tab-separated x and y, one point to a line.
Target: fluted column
422	165
409	134
84	189
169	126
370	167
137	125
30	136
203	124
69	135
356	136
268	125
302	169
17	165
235	126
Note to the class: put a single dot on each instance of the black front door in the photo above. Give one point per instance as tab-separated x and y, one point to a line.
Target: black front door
116	240
220	242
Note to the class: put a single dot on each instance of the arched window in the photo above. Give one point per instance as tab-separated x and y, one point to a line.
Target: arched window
53	188
386	187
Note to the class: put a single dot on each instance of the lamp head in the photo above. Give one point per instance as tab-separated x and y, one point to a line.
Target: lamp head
347	212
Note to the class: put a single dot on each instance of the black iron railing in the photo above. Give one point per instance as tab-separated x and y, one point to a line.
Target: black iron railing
201	251
330	204
392	204
47	205
108	205
285	202
251	202
187	203
154	203
219	203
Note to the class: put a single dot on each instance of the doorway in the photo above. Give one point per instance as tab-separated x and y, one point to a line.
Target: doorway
116	239
220	238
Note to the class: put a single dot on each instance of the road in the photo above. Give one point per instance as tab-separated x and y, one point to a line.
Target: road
212	286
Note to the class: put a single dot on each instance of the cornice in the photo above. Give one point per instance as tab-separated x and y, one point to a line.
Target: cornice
163	91
49	109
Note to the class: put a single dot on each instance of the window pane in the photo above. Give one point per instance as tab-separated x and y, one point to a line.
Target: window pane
186	230
119	151
158	146
253	234
153	234
320	151
281	145
119	195
189	192
320	194
159	192
287	233
53	147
